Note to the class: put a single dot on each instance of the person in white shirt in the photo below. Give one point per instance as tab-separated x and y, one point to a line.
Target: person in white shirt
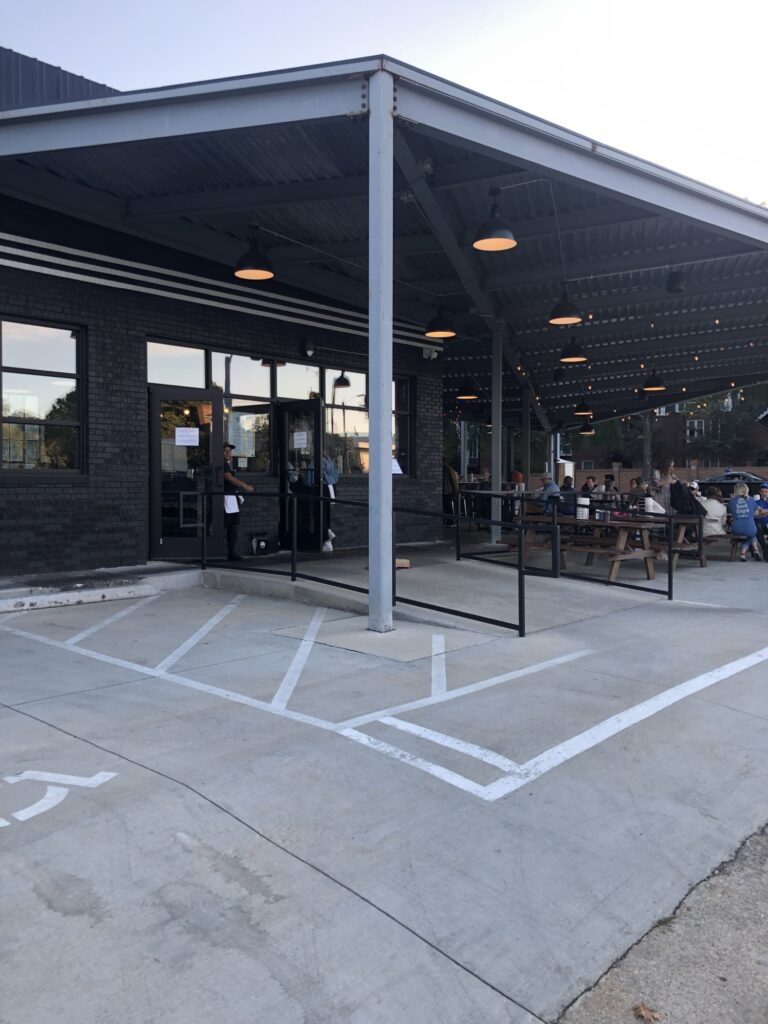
715	514
232	504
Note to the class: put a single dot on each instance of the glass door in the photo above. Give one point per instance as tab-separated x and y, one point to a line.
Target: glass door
300	452
186	457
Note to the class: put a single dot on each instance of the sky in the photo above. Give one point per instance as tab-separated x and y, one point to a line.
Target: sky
677	82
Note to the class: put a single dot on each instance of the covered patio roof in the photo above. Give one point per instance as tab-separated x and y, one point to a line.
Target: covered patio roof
192	166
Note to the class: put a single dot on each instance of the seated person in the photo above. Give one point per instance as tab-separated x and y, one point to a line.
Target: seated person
589	485
568	497
549	493
715	513
742	508
761	517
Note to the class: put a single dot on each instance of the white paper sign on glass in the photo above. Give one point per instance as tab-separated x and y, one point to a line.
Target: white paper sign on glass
189	436
300	439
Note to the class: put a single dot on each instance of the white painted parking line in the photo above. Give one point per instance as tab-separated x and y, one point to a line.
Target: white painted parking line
454	743
604	730
291	677
462	691
108	621
84	782
170	677
53	796
445	774
439	682
197	636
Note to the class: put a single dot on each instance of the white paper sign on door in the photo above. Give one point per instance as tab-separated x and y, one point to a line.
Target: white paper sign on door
188	436
300	439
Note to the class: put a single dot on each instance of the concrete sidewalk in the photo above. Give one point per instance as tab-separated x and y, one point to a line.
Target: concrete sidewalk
307	821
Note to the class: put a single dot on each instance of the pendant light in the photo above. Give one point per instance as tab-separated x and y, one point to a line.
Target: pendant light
494	235
342	381
440	326
564	312
654	383
254	264
573	353
467	392
587	430
582	409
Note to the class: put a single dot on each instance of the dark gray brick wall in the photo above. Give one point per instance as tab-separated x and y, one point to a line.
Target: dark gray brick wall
101	519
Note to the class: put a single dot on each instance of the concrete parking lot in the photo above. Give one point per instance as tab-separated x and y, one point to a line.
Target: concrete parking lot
225	806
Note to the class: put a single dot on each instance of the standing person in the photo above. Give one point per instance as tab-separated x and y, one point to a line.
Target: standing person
330	475
663	478
232	504
742	508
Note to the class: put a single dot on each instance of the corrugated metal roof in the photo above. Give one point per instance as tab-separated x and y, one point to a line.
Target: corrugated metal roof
304	183
27	82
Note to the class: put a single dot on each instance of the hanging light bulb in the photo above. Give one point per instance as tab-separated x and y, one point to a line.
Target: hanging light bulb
494	235
564	312
254	264
654	383
572	353
467	392
440	326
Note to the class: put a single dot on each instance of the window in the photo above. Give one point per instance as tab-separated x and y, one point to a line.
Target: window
695	429
247	385
41	397
174	364
347	425
587	464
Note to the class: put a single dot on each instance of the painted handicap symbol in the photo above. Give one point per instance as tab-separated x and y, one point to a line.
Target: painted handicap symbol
54	794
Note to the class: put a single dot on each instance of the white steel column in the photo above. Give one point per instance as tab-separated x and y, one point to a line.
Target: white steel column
380	268
496	427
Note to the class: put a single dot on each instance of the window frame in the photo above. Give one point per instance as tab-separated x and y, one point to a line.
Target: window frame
79	473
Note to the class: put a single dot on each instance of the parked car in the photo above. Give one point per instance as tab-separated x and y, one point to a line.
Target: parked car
727	481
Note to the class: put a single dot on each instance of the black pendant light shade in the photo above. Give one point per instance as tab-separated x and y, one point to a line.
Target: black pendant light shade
572	353
564	312
582	409
494	235
254	264
675	282
654	383
587	430
440	326
342	381
467	392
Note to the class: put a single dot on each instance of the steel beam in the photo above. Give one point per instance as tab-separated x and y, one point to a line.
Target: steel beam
185	110
496	425
493	129
380	263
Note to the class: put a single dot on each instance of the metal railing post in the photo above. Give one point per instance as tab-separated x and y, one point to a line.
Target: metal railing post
294	536
394	557
521	578
670	557
458	537
555	543
203	563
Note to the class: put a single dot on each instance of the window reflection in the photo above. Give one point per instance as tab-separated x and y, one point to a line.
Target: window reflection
174	364
297	381
31	347
30	397
38	446
240	375
356	395
247	426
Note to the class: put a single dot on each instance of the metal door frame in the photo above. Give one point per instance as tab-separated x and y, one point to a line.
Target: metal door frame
181	547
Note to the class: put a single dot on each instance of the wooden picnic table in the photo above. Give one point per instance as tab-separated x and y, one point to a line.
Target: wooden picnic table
617	539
